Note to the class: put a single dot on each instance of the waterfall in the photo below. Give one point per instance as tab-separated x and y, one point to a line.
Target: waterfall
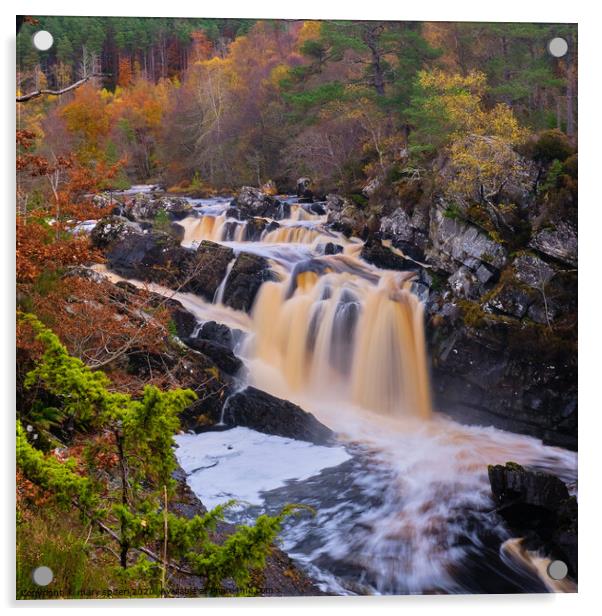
340	332
219	292
301	229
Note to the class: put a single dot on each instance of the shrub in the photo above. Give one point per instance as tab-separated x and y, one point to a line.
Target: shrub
552	145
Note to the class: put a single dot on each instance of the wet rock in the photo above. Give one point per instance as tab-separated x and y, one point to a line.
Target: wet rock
532	271
455	242
111	229
223	357
153	257
559	243
543	313
498	371
252	202
146	207
211	265
332	249
177	208
178	231
304	191
511	299
511	484
376	253
464	283
217	332
260	411
484	274
185	322
345	216
317	208
190	370
247	275
255	227
537	506
397	226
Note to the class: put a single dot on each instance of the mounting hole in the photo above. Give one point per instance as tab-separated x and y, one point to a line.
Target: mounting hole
558	47
557	570
42	576
42	40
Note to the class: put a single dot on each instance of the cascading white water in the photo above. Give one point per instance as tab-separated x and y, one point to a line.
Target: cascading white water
411	510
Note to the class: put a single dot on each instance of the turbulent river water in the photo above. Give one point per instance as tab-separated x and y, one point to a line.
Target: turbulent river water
403	502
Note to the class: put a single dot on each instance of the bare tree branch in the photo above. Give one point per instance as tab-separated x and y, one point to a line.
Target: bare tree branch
26	97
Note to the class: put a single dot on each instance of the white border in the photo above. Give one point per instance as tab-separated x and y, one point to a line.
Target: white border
590	239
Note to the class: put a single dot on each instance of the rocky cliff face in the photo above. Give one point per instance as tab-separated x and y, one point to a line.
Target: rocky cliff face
499	280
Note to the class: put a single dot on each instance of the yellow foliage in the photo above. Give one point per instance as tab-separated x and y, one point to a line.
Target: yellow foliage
309	30
459	98
278	73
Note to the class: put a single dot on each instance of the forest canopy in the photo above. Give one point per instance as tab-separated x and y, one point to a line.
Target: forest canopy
223	102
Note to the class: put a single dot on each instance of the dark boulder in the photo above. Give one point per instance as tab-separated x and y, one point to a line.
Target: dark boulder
330	248
303	184
184	321
260	411
254	229
345	216
497	371
307	196
376	253
211	265
147	207
247	275
220	333
220	354
177	230
110	229
537	506
559	243
512	299
152	257
252	202
317	208
190	370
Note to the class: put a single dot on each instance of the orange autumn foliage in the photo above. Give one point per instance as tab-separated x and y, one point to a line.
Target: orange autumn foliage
125	71
40	250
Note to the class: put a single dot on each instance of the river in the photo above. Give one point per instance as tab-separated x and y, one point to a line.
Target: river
403	500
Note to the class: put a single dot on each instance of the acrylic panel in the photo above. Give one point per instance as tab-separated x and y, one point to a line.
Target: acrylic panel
296	307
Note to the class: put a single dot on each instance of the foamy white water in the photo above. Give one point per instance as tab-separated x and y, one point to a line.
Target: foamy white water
241	463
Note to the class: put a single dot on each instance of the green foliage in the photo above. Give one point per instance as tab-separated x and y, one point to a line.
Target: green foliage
138	433
162	221
57	477
551	178
453	212
552	145
241	553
